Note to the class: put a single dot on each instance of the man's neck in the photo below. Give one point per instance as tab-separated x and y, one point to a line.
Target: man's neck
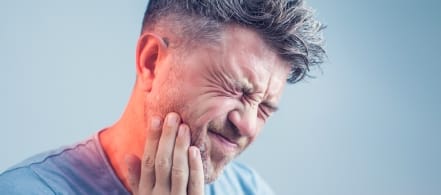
126	137
117	144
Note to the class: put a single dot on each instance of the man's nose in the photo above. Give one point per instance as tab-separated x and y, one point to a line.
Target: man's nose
245	120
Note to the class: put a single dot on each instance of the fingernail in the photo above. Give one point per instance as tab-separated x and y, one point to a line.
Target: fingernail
182	130
195	152
172	119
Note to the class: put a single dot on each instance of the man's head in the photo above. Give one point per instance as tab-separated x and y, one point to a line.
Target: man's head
287	26
222	65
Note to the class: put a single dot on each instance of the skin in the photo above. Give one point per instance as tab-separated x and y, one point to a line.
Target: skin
165	144
217	96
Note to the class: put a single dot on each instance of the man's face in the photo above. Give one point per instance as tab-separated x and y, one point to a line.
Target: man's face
225	92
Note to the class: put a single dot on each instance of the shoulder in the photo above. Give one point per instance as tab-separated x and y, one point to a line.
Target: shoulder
23	180
239	178
77	169
36	174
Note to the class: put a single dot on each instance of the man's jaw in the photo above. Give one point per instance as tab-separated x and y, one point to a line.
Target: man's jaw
214	159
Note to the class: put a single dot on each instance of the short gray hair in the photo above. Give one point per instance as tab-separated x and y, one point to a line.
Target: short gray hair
288	26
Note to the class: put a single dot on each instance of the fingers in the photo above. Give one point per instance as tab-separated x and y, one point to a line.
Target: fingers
165	151
196	183
169	164
180	167
147	178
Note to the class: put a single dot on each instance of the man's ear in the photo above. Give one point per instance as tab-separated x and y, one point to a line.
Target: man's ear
150	50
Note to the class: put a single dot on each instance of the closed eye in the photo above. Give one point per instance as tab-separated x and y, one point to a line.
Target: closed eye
270	106
266	109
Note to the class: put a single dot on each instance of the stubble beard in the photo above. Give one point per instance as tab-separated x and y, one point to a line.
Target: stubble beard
209	173
213	168
204	155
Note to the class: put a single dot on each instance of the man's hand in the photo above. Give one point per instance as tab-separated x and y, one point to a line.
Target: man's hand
169	164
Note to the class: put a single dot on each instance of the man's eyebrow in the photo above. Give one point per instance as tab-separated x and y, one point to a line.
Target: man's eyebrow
271	106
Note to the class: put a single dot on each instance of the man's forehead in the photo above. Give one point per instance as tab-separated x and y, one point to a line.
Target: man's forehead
244	59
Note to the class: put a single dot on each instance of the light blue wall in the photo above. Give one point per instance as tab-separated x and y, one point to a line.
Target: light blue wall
370	124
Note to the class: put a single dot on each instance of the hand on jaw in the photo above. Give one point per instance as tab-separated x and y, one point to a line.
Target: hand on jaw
169	164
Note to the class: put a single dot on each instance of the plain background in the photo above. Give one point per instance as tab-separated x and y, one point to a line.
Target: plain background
369	124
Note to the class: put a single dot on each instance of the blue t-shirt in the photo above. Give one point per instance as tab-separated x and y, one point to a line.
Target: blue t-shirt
84	169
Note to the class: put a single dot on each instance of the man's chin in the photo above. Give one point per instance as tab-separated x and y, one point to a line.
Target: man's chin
214	163
213	170
211	177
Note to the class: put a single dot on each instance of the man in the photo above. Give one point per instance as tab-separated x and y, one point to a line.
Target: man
209	74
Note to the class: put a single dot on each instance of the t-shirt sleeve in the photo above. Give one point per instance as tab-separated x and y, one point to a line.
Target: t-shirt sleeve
22	181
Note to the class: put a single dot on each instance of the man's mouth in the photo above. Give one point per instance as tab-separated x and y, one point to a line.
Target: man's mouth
222	142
